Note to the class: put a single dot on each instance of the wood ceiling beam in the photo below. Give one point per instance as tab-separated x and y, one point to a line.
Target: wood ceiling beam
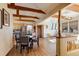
24	20
62	17
56	16
24	16
13	6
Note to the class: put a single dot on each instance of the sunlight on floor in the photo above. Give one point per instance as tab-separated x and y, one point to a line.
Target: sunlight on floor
53	40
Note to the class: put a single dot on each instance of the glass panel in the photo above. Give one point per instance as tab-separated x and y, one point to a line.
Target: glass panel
65	27
29	29
73	27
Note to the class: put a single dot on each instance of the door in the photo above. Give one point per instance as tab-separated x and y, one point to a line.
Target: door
40	30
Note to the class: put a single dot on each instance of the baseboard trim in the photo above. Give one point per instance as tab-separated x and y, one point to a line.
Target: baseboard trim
9	51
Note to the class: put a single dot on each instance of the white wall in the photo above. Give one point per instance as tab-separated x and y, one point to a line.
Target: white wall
49	21
6	34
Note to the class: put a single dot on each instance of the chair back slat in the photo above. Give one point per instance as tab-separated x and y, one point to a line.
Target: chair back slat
24	40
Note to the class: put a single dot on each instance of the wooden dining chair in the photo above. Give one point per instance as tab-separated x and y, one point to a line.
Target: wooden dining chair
24	43
17	38
36	40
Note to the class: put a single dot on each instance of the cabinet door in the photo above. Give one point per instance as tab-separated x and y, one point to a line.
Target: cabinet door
73	27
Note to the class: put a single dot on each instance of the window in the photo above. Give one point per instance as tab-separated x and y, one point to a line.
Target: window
29	29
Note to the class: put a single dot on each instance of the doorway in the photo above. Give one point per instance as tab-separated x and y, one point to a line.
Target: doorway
40	30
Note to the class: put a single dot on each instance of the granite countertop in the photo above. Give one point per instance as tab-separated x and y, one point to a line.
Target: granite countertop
67	36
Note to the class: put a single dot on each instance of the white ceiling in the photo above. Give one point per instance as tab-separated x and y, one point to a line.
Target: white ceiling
48	8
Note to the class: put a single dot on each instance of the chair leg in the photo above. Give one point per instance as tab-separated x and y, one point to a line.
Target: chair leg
27	49
21	49
31	45
16	45
38	44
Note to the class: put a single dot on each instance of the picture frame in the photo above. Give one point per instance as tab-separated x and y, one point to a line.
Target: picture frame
0	18
5	17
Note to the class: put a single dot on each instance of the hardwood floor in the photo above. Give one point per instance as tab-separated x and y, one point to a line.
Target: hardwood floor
47	48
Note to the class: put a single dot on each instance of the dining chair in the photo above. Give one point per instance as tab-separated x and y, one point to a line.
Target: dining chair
17	38
36	40
24	43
